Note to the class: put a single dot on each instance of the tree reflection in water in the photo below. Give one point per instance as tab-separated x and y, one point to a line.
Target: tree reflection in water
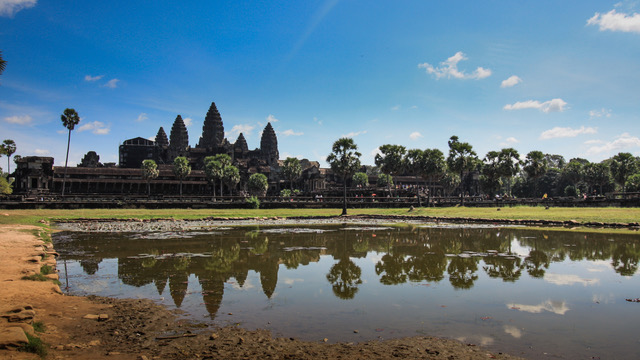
411	254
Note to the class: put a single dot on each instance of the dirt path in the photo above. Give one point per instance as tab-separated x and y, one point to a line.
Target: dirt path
103	328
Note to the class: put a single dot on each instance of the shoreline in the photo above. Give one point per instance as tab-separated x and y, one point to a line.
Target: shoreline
106	328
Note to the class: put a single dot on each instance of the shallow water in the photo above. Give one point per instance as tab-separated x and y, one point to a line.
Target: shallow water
526	292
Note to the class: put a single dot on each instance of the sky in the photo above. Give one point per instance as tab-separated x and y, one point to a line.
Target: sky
562	77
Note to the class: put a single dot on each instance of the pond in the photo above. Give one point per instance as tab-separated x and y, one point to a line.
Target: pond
532	293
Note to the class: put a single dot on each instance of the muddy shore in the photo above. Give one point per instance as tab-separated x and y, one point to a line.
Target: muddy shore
104	328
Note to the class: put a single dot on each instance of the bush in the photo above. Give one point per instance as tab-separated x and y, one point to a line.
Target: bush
285	193
571	190
35	346
254	202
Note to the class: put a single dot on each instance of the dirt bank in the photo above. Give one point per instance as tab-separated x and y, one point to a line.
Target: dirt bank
103	328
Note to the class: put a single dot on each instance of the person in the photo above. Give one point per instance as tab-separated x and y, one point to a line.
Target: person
544	197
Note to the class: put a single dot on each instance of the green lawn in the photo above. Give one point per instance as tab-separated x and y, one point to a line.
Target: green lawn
607	215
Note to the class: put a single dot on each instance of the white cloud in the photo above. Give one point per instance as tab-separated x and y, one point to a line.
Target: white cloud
315	120
509	141
614	21
395	108
449	69
513	331
112	84
187	121
415	135
20	120
599	113
237	129
375	152
272	118
354	134
11	7
290	132
556	307
142	117
511	81
91	78
41	151
624	141
590	142
554	105
96	127
568	279
563	132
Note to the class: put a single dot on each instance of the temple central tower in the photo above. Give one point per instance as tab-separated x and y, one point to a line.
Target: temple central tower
212	129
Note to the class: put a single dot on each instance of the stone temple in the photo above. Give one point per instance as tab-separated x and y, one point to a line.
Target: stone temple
212	142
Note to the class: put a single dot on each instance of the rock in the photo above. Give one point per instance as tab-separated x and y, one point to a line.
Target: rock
56	289
12	337
52	276
103	317
91	317
143	357
213	336
28	329
94	342
34	259
22	316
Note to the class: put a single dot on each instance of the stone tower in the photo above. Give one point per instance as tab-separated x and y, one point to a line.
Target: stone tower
161	138
179	139
212	129
269	145
241	144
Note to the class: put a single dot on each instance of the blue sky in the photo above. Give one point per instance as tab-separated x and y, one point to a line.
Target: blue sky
562	77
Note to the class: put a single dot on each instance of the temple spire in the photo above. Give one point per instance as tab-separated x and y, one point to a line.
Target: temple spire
179	138
212	129
161	138
269	145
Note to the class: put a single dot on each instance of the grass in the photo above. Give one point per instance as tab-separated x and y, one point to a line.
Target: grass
39	327
41	276
581	215
35	345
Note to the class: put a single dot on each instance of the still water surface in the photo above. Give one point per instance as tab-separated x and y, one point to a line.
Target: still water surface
526	292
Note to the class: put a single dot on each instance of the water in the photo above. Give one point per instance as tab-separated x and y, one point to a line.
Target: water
527	292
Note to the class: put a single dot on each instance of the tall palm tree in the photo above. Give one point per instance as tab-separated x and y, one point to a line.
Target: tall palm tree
181	169
345	161
461	159
149	172
535	165
69	119
413	163
433	167
291	169
8	148
389	160
509	164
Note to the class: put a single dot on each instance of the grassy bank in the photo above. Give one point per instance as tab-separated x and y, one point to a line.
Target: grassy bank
581	215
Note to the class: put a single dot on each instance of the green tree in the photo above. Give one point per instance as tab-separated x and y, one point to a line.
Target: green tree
213	171
8	148
258	184
149	172
291	169
597	174
535	165
461	159
623	165
224	160
509	165
633	182
231	177
413	161
573	172
434	167
384	180
490	177
390	160
69	119
5	187
181	169
360	179
345	161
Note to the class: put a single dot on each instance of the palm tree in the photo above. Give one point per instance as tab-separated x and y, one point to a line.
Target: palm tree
149	172
623	165
433	167
213	171
258	184
345	161
69	119
461	159
509	165
231	177
413	163
181	169
535	165
389	160
8	148
223	160
291	169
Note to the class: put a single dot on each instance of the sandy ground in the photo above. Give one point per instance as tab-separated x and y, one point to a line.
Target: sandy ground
140	329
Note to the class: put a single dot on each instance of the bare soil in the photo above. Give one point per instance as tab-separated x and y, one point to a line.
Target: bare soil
104	328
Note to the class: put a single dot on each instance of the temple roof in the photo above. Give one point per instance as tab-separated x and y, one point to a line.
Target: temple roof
212	129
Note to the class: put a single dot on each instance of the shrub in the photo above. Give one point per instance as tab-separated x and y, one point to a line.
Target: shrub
35	346
254	202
